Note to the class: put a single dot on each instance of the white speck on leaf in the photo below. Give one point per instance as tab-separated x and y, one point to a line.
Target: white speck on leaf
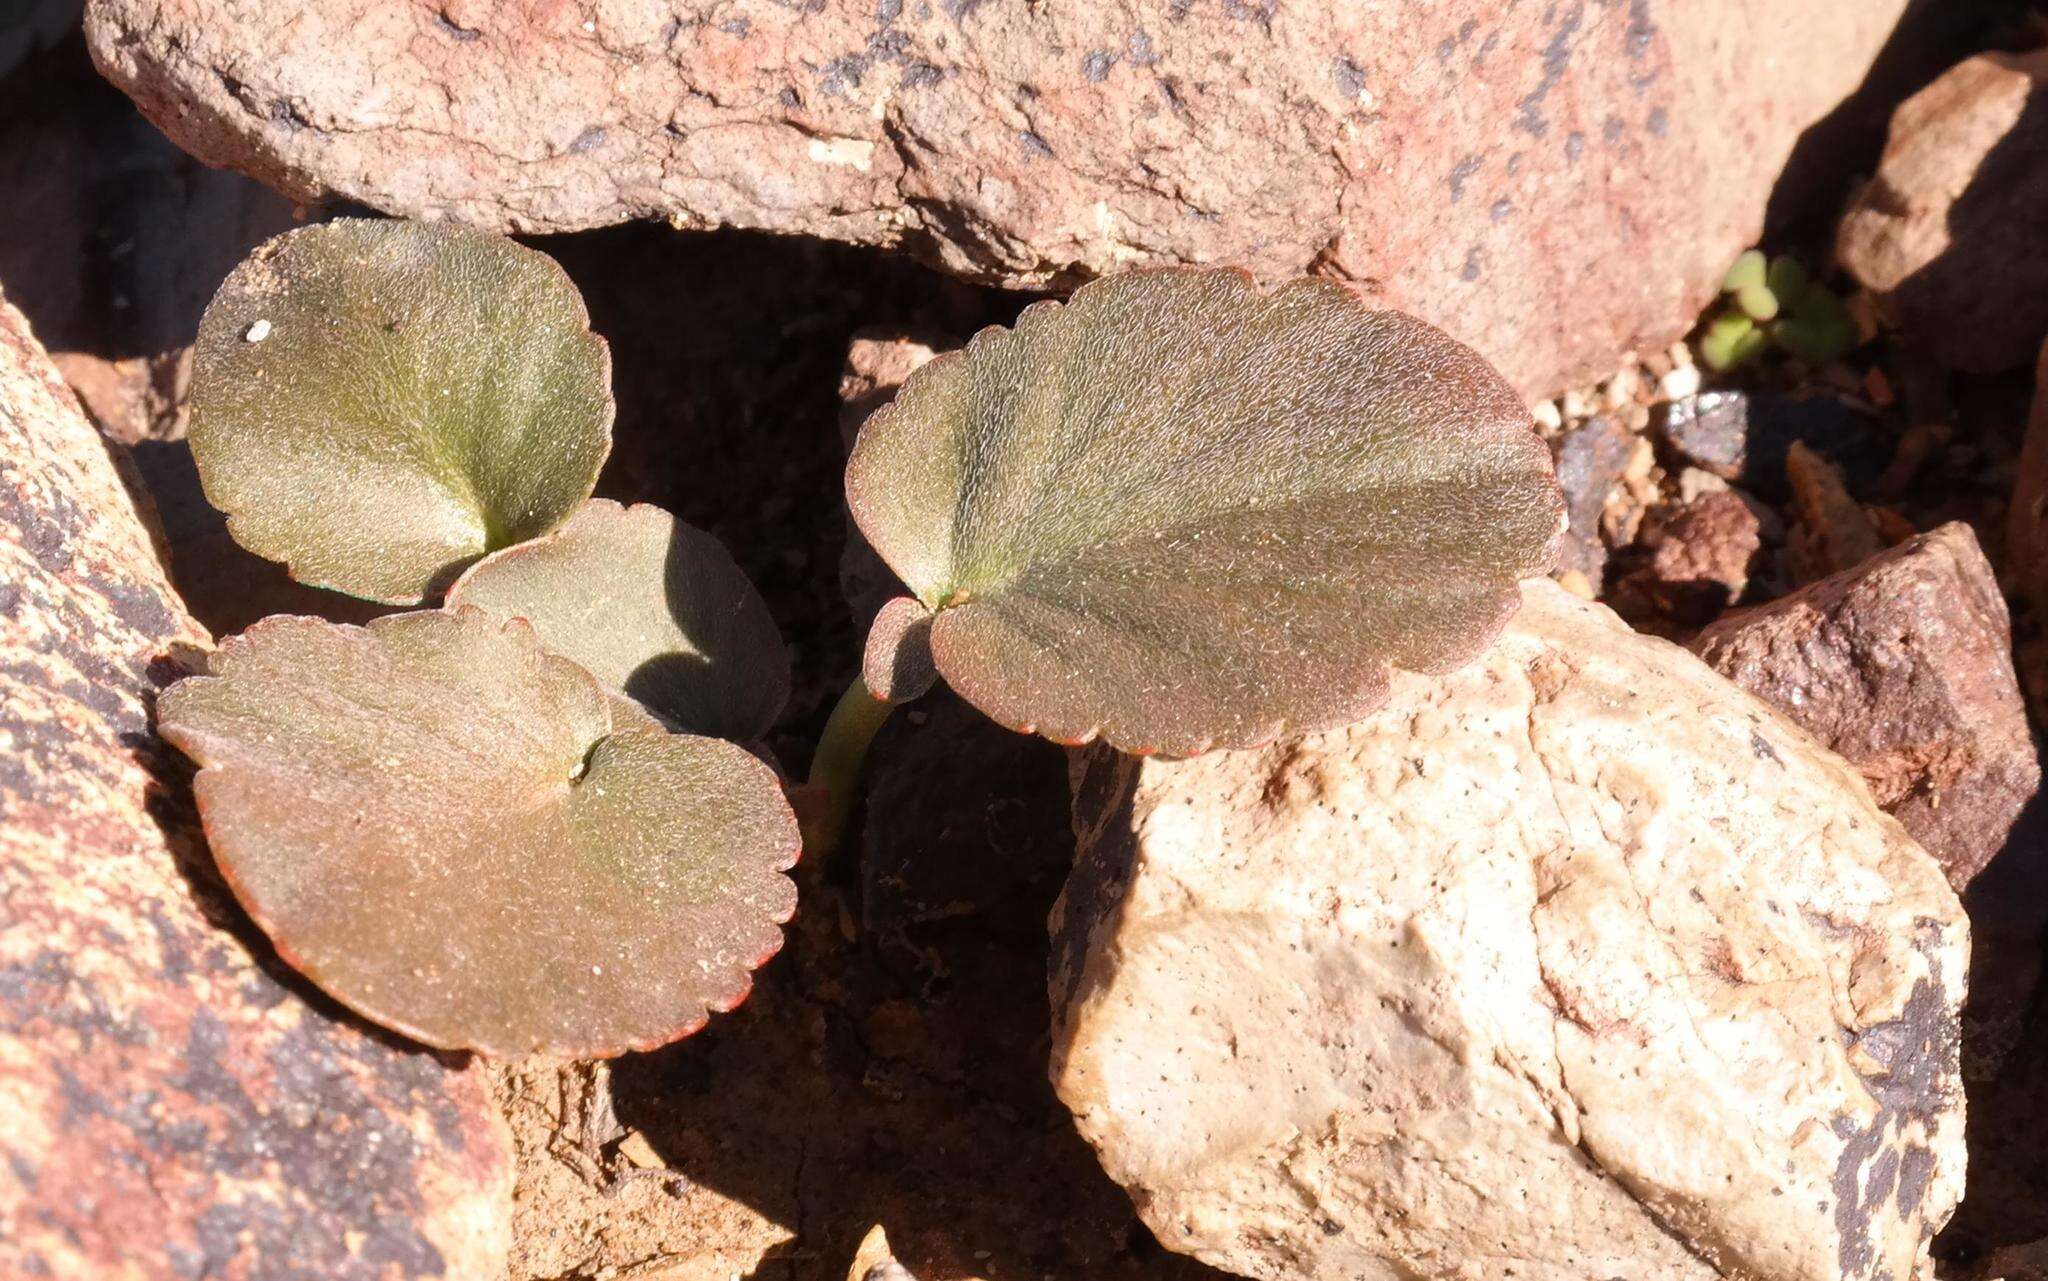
258	331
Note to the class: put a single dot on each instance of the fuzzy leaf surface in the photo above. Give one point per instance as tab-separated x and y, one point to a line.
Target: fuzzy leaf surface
1182	513
652	607
378	403
438	823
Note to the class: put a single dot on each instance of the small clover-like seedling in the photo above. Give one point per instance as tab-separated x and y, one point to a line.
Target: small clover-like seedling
1775	301
1179	513
440	824
378	403
473	824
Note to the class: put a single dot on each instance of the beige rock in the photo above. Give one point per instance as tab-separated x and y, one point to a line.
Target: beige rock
1527	176
1578	963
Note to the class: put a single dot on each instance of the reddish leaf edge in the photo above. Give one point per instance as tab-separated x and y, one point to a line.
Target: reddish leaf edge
1368	698
269	249
692	1024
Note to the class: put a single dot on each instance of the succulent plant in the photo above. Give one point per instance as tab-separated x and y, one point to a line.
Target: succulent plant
1176	512
1775	301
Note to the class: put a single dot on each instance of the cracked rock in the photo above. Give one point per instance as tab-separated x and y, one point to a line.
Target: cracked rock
1577	963
1903	665
1505	171
172	1109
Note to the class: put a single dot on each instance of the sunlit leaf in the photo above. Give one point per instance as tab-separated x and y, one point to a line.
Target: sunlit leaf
650	606
439	824
1181	513
379	403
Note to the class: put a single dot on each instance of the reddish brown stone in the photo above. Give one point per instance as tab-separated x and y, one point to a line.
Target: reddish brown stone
1700	557
1948	231
1520	174
173	1108
1902	665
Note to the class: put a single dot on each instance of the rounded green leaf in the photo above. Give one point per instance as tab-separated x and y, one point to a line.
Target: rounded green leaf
1181	513
1731	338
1787	281
650	606
378	403
1749	268
438	823
1757	302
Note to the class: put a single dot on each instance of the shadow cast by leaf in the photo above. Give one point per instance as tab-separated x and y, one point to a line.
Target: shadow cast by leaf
895	1073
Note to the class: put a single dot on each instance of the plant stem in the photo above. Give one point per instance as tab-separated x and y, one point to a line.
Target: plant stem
835	769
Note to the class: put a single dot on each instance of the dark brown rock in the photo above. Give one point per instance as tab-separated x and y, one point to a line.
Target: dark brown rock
1746	437
28	26
1903	665
1591	459
962	815
2016	1263
175	1110
2026	519
1949	229
1700	557
1505	171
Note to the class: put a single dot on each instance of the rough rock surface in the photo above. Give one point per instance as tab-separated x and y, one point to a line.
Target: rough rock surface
173	1110
1903	665
1578	963
1700	556
1518	174
1948	229
1591	460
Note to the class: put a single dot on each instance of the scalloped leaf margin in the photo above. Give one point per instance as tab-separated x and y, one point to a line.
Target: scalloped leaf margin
377	403
438	823
1180	513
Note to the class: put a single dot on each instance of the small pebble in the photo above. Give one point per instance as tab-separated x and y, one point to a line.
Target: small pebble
1575	405
1641	458
1621	389
258	331
1682	381
1546	415
1680	354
